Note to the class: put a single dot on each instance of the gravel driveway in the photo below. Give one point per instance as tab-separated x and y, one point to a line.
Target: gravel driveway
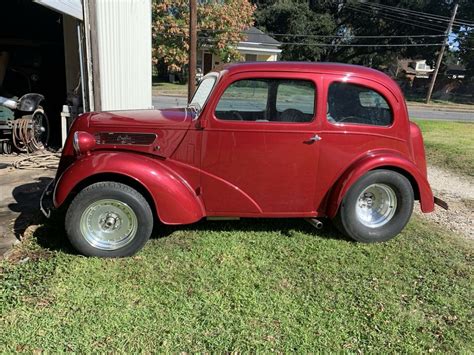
458	192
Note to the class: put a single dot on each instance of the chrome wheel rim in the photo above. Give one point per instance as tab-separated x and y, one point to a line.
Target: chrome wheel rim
376	205
109	224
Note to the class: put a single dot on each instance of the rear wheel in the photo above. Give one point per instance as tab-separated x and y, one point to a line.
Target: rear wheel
377	207
109	219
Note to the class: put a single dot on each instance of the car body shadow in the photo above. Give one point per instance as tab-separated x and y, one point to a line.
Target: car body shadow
286	226
26	204
52	235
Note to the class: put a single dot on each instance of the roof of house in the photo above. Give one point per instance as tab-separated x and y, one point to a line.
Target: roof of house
258	39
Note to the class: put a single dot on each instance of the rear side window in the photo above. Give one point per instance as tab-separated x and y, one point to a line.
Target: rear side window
268	100
356	104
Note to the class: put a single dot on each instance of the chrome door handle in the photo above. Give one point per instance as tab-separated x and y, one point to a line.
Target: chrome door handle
315	138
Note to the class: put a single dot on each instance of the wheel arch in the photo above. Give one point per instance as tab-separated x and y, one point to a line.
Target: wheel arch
173	199
419	183
410	178
114	177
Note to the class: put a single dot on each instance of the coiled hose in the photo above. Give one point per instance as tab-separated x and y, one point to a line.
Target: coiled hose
25	135
38	161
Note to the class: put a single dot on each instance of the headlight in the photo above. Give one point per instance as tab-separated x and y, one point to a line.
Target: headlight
83	142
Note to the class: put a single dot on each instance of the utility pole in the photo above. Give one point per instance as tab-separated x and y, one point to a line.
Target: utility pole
192	48
441	53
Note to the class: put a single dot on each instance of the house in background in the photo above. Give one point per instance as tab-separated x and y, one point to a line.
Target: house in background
257	46
407	70
414	68
455	71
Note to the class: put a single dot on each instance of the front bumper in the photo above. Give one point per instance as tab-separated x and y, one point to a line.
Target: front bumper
46	200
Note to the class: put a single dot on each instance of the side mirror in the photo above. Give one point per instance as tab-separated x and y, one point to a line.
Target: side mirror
29	102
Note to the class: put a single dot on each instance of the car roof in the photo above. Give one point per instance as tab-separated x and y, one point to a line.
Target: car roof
313	67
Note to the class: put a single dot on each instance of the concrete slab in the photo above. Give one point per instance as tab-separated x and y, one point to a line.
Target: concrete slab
20	191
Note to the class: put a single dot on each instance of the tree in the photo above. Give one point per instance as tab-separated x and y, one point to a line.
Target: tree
466	51
290	22
220	26
466	36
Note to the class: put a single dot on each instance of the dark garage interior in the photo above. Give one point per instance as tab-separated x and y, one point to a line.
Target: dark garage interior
32	60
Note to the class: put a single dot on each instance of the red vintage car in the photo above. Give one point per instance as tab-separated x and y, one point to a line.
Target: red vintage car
279	139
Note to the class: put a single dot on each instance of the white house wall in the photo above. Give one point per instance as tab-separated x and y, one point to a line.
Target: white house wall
267	58
124	47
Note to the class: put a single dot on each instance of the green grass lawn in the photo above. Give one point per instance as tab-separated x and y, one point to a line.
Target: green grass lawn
449	145
269	285
165	88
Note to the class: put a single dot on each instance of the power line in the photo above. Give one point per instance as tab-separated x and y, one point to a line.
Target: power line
210	40
345	44
363	45
435	23
393	16
414	17
403	15
317	36
332	36
395	19
419	13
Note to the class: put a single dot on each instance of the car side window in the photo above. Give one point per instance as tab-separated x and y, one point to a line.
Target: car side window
268	100
357	104
244	100
295	101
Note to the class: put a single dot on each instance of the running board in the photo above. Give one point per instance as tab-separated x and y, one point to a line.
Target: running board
222	218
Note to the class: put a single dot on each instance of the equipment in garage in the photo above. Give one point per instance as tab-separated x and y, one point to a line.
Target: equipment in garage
23	124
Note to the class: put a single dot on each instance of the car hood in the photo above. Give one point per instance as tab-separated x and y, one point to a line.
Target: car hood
169	127
175	118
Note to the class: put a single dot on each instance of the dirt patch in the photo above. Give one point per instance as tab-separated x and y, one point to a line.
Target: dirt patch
458	192
20	193
22	253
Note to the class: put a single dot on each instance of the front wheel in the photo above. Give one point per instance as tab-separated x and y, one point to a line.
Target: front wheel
109	219
377	207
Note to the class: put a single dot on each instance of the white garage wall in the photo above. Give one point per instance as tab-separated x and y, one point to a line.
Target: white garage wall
124	46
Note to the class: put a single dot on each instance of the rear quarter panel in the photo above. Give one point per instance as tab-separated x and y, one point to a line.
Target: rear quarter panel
345	147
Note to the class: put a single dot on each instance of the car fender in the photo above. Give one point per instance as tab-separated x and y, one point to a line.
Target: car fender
377	160
174	200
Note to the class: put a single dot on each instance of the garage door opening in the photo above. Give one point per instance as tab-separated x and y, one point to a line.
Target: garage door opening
32	60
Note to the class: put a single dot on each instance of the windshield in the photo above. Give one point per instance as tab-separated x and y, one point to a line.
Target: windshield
202	93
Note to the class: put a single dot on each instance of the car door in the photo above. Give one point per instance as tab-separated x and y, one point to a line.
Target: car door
260	146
